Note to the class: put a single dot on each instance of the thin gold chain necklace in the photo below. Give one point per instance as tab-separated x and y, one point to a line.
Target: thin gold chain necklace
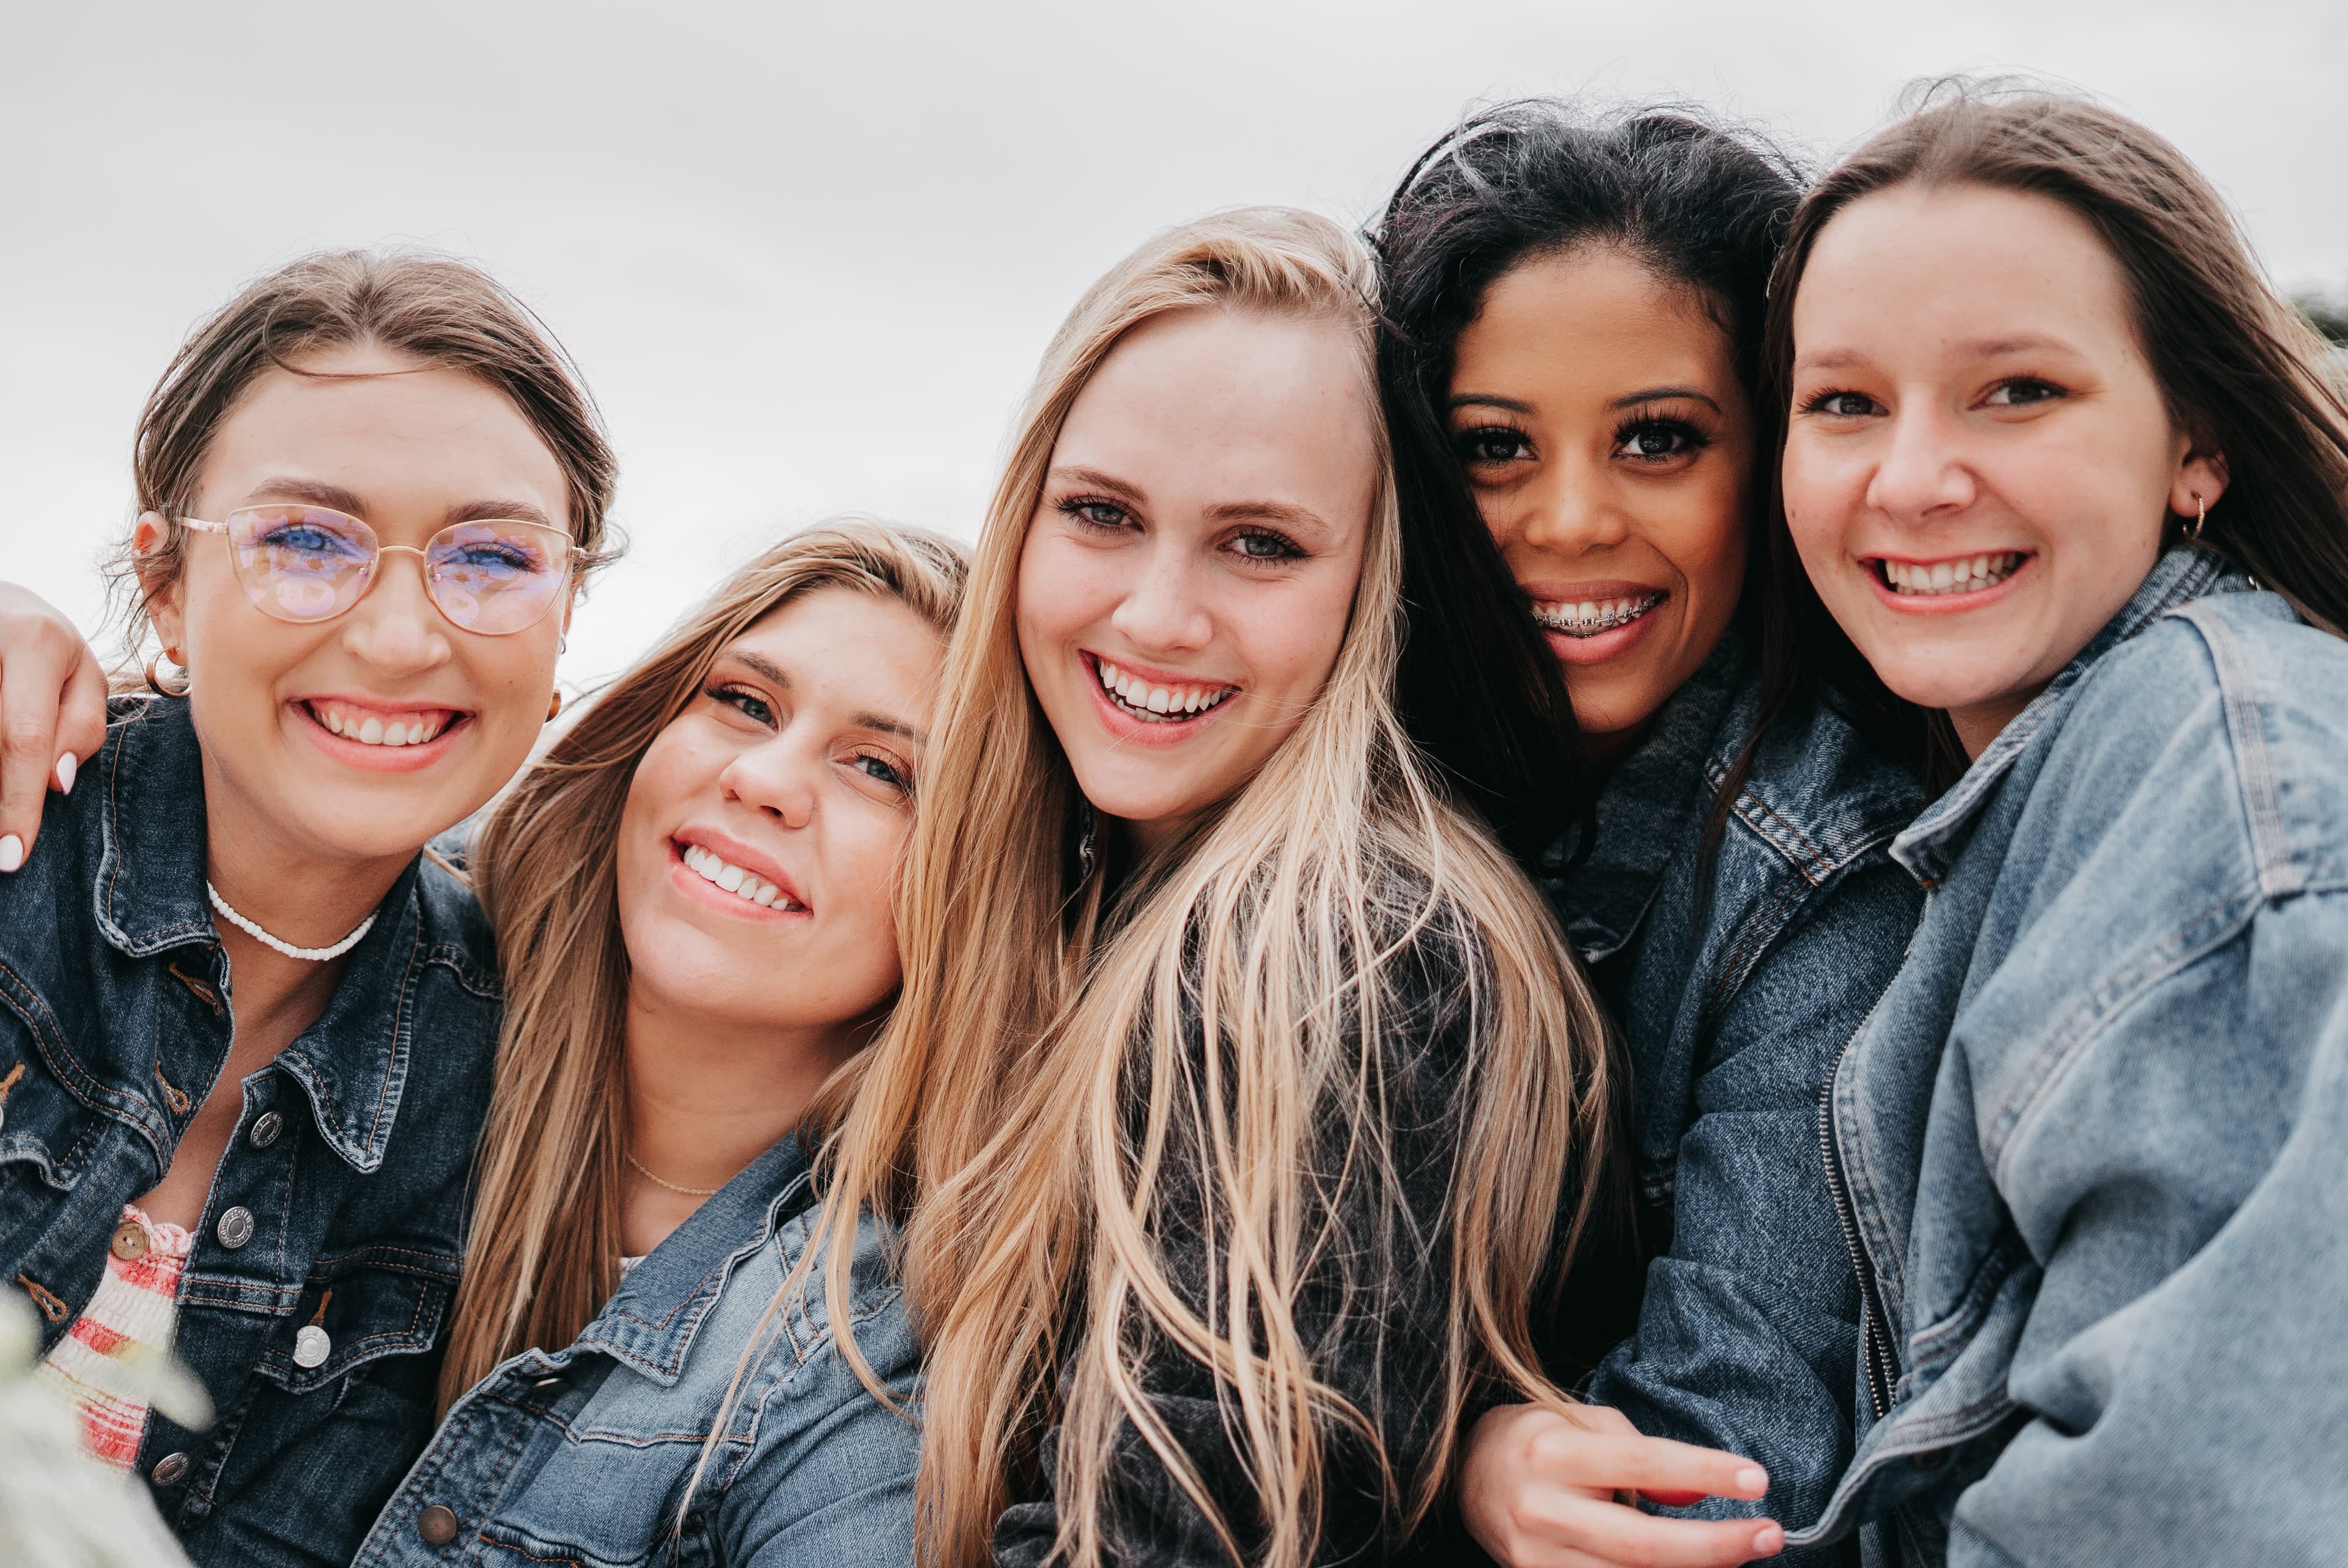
672	1186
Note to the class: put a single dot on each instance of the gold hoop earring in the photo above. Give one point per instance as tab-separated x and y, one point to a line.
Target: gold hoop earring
2200	518
554	707
156	686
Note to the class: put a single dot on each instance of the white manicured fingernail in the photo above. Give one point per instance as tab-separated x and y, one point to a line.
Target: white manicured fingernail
12	852
66	769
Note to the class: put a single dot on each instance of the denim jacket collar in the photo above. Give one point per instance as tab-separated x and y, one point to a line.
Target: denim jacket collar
1931	843
352	1064
151	877
649	1321
1646	809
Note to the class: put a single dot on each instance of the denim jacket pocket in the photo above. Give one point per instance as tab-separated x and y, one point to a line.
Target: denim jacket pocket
615	1467
377	1302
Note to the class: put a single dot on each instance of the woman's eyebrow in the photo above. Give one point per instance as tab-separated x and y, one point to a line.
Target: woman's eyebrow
314	492
501	511
774	673
2019	342
1488	400
1094	479
880	724
1664	395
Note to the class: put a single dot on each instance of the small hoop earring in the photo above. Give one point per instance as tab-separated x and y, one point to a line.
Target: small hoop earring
156	686
2200	518
554	707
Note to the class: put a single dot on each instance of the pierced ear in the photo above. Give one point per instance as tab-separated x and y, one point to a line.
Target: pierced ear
2202	478
161	601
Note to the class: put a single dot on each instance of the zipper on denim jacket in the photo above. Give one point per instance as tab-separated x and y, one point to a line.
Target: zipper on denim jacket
1882	1372
1874	1342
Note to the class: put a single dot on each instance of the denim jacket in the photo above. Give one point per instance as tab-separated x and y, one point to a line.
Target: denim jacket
2094	1138
1734	998
584	1457
340	1200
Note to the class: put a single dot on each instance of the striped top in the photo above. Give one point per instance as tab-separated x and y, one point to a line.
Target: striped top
131	1319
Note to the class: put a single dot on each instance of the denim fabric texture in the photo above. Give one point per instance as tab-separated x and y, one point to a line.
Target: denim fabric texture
350	1152
584	1457
2094	1138
1734	996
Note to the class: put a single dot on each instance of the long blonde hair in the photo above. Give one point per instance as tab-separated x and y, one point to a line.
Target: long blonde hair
545	1251
1041	1069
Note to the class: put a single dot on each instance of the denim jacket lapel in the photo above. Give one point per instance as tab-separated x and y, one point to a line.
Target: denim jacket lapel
1645	812
1931	843
352	1064
649	1321
149	894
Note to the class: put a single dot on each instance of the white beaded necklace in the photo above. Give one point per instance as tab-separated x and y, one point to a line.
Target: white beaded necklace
313	955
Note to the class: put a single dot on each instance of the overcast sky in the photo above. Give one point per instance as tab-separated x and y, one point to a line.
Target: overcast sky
809	259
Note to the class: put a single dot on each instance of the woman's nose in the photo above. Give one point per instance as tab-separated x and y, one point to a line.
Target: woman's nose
1162	609
396	625
1569	510
777	779
1922	471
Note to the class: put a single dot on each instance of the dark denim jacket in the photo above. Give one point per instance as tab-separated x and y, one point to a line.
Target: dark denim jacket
347	1166
584	1457
1734	998
2094	1138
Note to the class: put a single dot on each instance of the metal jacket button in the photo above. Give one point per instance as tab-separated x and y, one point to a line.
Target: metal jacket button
235	1228
265	1128
312	1346
170	1470
436	1525
129	1242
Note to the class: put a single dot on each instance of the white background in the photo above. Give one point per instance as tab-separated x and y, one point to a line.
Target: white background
808	255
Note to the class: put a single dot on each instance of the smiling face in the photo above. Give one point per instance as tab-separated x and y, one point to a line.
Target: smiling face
1609	443
362	736
759	845
1188	573
1981	468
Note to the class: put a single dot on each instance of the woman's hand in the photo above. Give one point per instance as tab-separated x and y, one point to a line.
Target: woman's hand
52	714
1540	1489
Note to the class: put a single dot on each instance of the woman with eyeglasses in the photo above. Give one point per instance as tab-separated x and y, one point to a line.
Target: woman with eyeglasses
246	1024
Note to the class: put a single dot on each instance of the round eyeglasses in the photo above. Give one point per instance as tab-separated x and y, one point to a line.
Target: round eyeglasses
495	577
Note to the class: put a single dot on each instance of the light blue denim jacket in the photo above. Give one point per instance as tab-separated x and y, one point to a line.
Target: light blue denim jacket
2094	1138
583	1456
1735	990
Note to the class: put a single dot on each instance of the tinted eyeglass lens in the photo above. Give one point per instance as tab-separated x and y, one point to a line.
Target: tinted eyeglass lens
496	577
301	563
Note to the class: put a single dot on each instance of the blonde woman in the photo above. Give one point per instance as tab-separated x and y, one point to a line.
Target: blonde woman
692	899
1240	1084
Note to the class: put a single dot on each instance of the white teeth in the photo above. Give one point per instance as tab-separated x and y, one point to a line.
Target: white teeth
1591	616
1167	703
1967	574
372	730
747	885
